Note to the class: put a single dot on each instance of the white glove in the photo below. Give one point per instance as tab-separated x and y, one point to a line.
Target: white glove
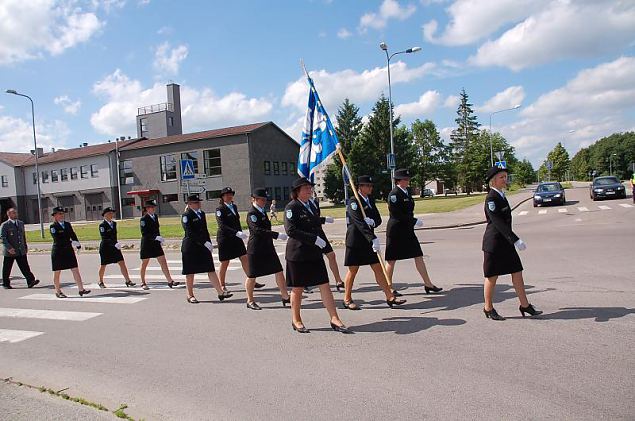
282	236
209	245
370	222
76	244
376	246
241	235
320	243
329	220
160	239
118	246
419	223
520	245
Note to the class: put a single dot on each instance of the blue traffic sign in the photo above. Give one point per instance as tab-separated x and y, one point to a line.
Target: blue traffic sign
501	164
187	169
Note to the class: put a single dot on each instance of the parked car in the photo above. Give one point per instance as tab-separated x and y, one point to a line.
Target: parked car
549	194
427	193
450	191
606	188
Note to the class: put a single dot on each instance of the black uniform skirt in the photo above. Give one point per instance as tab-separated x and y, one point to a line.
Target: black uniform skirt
63	258
150	249
306	274
502	262
360	256
400	248
266	262
196	259
109	254
231	248
328	248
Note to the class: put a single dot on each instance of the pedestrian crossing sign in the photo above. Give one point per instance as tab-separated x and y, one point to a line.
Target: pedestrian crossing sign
501	164
187	169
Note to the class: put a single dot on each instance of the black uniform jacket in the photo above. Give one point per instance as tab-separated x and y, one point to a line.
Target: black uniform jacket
62	236
401	207
498	233
229	246
108	234
150	230
358	233
195	227
260	234
302	227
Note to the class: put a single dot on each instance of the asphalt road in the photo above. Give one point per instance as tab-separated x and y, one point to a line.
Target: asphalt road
436	358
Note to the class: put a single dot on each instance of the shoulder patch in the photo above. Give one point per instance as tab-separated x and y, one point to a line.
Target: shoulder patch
393	198
354	205
52	230
254	218
143	223
101	229
184	219
491	206
218	213
289	214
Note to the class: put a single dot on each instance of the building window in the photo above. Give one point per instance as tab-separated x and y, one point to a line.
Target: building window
267	167
278	194
127	201
276	168
212	194
170	121
292	168
54	176
168	167
45	176
285	170
126	176
5	181
144	126
83	171
268	189
194	157
285	193
64	174
167	198
93	170
211	160
34	178
73	173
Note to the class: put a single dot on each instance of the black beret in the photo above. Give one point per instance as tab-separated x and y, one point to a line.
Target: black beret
193	198
260	192
301	182
364	179
57	209
493	171
106	210
402	173
150	203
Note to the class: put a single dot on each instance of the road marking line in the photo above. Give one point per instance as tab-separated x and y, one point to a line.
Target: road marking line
26	313
13	336
542	212
583	209
157	276
626	205
179	268
95	299
604	207
135	288
523	213
562	210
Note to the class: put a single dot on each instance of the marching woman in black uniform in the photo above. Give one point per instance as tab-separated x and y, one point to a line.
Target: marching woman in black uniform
62	253
262	255
151	242
500	256
110	248
401	241
305	264
230	235
328	250
362	245
196	249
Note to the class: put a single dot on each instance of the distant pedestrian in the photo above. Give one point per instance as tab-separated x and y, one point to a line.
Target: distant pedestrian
62	253
151	244
273	211
15	250
633	186
500	256
110	248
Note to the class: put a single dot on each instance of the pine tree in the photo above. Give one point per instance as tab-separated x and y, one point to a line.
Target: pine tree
461	138
430	154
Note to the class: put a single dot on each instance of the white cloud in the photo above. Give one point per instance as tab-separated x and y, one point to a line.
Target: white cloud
167	60
389	9
69	106
358	87
426	104
29	29
562	30
16	134
202	108
344	33
452	101
509	98
165	30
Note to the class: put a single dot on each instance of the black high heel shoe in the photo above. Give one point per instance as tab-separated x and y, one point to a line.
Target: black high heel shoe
285	301
396	293
259	285
302	329
224	295
395	302
341	329
340	286
529	310
60	295
84	292
253	306
492	314
102	285
432	289
173	284
130	284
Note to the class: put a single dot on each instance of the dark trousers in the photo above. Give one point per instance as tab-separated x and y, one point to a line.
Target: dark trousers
23	264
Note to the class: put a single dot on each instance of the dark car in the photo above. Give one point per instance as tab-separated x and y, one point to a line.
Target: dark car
549	194
427	193
607	188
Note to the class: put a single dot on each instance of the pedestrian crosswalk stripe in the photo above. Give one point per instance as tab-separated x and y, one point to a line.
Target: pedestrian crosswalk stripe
135	288
583	209
626	205
161	277
523	213
13	336
27	313
542	212
105	299
562	210
604	207
179	268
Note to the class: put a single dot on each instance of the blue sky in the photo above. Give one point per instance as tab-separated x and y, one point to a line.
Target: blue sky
89	65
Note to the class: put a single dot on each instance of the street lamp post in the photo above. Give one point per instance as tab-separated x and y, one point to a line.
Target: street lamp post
611	163
37	171
391	161
491	147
